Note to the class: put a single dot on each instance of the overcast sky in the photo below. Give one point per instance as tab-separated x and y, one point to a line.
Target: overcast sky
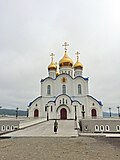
32	29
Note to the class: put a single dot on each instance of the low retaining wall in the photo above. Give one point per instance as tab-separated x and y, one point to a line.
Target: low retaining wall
99	125
8	125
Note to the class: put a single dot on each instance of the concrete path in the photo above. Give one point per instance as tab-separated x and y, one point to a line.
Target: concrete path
66	128
30	122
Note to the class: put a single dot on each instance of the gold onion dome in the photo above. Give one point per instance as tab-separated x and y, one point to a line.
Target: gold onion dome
52	65
66	61
78	65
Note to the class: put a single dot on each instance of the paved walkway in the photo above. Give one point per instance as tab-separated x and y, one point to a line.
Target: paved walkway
30	122
66	128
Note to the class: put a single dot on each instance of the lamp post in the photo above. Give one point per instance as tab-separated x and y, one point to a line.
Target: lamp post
0	107
75	113
110	111
46	109
118	111
83	112
27	112
17	112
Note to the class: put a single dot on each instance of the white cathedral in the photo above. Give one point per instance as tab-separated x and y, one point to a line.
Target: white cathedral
64	93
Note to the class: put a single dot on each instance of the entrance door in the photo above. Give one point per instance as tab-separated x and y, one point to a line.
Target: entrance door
36	113
63	113
93	113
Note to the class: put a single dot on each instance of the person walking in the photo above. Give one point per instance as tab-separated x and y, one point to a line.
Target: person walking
55	126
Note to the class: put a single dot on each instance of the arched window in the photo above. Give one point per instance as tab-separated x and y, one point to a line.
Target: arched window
79	89
7	128
48	90
96	128
60	101
64	89
66	101
63	101
12	128
118	128
3	128
101	128
107	128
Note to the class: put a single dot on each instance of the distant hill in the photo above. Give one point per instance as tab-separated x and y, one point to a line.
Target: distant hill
107	114
12	112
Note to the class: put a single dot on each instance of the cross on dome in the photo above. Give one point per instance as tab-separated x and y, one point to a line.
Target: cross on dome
52	55
65	45
78	65
77	53
52	65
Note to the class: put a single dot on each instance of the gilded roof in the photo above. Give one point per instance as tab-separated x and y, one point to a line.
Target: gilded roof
66	61
78	65
52	66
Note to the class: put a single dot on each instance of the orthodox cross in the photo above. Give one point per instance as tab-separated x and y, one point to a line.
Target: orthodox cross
77	53
65	45
52	55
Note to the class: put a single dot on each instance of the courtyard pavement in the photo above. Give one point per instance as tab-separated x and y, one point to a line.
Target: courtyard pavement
66	128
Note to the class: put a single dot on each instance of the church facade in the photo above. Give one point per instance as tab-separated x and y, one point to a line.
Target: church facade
64	93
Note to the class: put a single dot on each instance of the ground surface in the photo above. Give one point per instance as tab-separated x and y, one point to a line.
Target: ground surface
65	128
56	148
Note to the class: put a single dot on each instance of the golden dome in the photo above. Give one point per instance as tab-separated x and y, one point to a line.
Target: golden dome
52	65
66	61
78	65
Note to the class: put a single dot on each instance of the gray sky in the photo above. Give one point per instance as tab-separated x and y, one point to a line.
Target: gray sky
31	29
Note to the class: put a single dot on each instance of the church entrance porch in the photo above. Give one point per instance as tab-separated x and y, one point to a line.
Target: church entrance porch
36	113
63	114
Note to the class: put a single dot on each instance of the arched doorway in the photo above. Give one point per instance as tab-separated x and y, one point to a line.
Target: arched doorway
63	113
93	113
36	113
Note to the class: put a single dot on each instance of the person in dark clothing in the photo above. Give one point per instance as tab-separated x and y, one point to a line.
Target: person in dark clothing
55	126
